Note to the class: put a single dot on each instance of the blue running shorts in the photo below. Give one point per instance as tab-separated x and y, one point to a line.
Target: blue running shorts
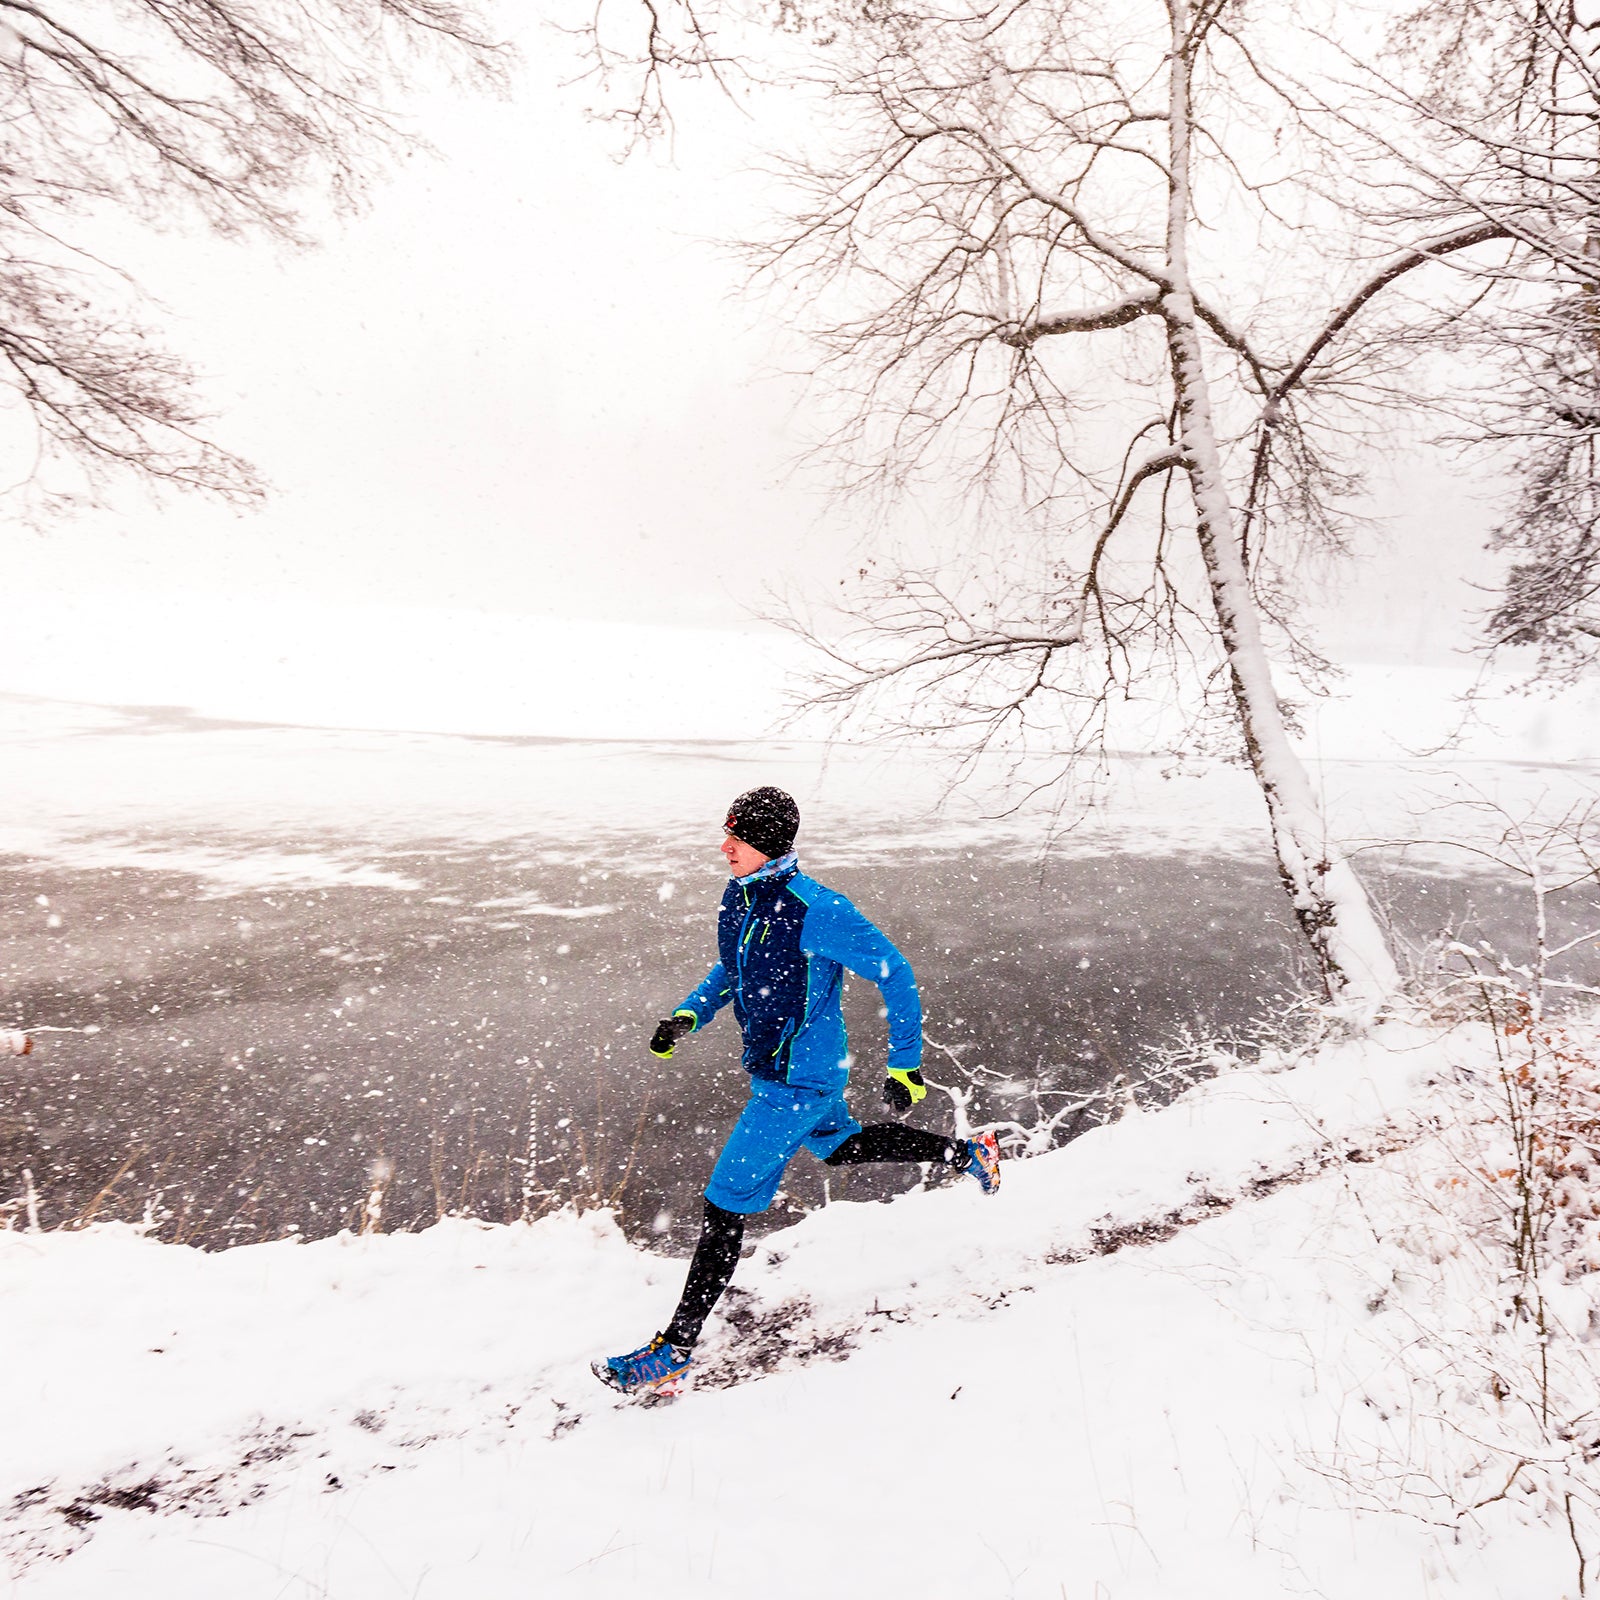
772	1128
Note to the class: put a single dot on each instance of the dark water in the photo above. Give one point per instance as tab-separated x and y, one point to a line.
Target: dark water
259	1056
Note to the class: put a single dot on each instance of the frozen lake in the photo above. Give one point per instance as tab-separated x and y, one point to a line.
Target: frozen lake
307	955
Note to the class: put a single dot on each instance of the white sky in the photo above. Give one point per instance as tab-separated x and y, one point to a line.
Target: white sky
523	383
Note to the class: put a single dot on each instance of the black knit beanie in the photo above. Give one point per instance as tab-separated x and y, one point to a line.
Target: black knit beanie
766	819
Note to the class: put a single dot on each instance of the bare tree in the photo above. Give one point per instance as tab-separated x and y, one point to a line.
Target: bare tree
1020	258
1502	102
223	112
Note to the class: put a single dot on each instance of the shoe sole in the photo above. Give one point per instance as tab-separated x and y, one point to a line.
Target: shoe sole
989	1180
668	1388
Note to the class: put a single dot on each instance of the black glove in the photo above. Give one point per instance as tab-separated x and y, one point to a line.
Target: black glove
669	1030
902	1090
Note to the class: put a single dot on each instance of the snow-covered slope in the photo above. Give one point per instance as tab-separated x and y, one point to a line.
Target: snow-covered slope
1163	1362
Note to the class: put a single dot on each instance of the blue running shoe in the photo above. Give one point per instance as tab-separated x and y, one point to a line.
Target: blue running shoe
984	1162
656	1368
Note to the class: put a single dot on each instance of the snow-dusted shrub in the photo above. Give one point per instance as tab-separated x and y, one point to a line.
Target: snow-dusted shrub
1545	1156
1478	1406
1037	1118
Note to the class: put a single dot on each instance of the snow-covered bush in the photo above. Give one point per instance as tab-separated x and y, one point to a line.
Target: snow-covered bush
1029	1117
1478	1409
1545	1158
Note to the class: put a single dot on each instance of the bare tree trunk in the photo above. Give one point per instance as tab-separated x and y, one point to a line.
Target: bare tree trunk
1330	904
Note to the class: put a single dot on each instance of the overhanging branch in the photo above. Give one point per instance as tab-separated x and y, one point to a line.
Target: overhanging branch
1417	256
1151	467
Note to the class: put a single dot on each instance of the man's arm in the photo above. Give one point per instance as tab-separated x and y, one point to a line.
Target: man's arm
703	1003
836	930
707	998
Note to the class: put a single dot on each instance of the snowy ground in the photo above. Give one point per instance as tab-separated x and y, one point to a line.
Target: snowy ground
1183	1357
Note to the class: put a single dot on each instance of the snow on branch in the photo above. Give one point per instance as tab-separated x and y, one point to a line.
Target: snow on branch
1118	314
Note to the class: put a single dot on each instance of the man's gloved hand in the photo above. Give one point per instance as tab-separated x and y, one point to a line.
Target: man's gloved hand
668	1032
902	1090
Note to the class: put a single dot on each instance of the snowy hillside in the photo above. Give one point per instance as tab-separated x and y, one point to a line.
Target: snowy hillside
1252	1345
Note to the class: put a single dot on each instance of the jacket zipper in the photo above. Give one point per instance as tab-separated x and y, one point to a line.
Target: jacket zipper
745	931
744	939
777	1055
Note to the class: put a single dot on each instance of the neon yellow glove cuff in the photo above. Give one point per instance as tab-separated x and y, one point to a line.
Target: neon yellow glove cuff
917	1091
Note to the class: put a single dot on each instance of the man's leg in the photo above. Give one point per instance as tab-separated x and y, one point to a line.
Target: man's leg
893	1141
775	1122
715	1257
746	1177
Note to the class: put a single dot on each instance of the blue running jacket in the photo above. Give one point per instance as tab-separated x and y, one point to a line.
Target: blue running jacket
785	941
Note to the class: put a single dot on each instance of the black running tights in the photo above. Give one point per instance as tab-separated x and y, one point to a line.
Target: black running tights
715	1257
893	1141
722	1232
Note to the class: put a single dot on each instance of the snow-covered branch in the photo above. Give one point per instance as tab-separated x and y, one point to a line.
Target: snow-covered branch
1117	314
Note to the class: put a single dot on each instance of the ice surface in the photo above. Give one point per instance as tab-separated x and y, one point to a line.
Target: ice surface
352	666
306	806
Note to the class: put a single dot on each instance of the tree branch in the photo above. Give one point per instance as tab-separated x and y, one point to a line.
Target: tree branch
1416	256
1152	466
976	139
1115	315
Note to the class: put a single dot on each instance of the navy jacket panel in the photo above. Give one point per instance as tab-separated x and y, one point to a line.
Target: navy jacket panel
784	943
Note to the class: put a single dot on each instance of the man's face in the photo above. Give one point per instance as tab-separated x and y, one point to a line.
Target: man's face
742	858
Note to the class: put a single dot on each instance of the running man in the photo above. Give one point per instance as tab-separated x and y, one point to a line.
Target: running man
784	942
